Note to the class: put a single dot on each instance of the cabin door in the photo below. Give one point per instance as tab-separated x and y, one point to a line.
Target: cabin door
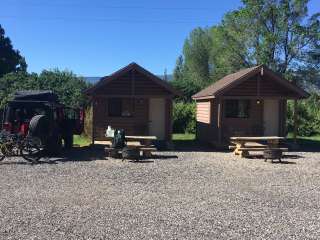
271	117
157	118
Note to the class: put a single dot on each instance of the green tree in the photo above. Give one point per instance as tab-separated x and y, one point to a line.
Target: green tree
196	52
184	117
276	33
13	82
178	71
66	84
192	71
10	59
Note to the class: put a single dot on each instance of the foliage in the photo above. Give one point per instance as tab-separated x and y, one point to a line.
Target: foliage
10	59
308	116
67	85
13	77
184	117
192	71
13	82
81	140
278	34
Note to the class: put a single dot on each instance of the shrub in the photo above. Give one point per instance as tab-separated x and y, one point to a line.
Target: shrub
184	117
308	116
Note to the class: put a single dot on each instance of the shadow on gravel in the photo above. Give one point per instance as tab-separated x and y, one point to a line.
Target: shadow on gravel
292	156
286	156
163	157
140	161
193	146
80	154
153	157
21	161
77	154
306	145
283	162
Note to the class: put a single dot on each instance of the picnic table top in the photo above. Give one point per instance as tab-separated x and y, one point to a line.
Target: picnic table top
137	138
257	138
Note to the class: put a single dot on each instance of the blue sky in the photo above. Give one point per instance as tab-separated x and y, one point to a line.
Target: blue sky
95	38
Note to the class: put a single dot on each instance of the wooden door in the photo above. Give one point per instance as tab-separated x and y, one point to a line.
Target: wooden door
157	117
271	117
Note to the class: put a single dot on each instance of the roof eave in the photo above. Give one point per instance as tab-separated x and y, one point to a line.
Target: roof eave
301	92
203	97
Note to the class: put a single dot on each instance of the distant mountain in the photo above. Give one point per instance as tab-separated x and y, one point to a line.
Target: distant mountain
92	79
96	79
169	76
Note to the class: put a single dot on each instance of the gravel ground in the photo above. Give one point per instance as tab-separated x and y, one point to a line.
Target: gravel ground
185	195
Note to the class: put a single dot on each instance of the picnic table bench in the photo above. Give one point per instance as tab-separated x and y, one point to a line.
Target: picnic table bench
243	145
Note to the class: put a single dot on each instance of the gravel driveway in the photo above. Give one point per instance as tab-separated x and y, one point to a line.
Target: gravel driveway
186	195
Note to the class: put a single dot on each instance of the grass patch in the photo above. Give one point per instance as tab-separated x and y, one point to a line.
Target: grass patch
312	138
184	141
183	137
308	143
81	140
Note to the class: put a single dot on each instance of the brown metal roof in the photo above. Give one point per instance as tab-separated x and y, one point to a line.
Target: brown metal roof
105	80
224	82
233	79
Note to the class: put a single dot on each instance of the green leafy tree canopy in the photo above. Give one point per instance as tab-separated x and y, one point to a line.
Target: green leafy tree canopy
10	59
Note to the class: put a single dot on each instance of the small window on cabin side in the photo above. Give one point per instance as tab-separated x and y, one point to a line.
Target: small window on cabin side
237	108
118	107
127	107
114	107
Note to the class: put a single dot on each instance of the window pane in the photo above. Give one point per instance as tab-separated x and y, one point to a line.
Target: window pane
237	108
127	107
231	108
114	107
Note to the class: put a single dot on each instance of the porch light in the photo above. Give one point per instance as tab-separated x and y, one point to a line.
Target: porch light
258	101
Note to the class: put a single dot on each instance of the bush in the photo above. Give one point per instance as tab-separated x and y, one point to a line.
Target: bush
184	117
308	116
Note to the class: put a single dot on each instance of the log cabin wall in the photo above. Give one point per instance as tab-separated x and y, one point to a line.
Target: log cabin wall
265	87
251	126
206	128
283	118
137	124
132	83
136	89
168	119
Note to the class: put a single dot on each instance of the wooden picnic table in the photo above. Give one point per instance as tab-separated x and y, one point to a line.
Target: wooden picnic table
145	140
145	144
245	144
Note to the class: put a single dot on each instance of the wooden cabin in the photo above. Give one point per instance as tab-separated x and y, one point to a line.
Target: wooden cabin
251	102
132	99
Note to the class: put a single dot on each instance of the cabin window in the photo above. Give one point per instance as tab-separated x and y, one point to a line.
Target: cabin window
115	107
118	107
237	108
